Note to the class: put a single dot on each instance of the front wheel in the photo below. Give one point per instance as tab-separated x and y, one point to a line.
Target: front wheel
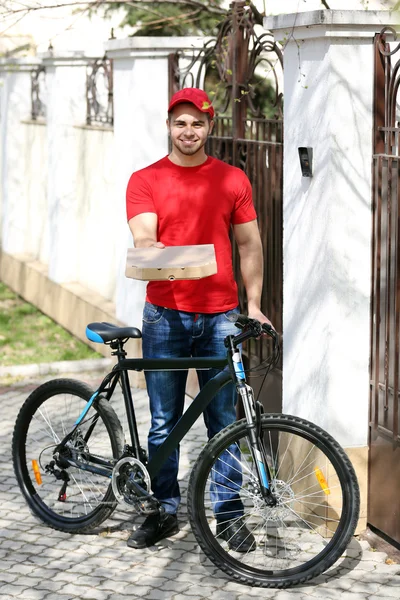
316	502
62	495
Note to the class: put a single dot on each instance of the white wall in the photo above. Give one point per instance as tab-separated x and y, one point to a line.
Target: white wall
328	79
58	195
15	105
277	7
98	215
65	78
34	162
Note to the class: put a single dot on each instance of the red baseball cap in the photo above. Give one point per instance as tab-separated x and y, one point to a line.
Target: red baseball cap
194	96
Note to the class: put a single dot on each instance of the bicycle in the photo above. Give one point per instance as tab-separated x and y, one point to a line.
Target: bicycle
297	489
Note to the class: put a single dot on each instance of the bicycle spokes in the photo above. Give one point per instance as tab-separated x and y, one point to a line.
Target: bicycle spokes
306	524
64	469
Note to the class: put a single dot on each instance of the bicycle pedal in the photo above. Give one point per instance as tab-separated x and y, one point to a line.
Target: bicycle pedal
150	506
148	512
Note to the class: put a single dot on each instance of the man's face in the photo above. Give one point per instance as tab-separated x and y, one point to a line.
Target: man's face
188	128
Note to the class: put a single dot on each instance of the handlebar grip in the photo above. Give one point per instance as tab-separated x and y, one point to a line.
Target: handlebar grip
239	320
269	330
242	321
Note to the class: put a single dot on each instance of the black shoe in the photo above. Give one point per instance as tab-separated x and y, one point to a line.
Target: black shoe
153	529
237	535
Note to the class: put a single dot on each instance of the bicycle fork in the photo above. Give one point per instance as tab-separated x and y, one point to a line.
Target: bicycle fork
253	411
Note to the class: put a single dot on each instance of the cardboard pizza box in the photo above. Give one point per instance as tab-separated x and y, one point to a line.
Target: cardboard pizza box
172	262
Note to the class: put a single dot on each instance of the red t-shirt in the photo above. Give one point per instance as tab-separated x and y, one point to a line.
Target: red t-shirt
194	205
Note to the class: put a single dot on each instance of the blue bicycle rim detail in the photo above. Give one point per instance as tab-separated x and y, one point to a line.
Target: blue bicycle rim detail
263	475
93	337
85	410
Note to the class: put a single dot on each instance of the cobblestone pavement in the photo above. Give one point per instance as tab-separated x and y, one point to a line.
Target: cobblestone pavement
37	562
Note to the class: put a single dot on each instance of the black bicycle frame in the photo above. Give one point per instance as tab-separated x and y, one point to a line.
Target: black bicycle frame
230	371
196	408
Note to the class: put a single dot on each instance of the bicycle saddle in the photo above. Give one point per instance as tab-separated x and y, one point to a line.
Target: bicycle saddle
107	332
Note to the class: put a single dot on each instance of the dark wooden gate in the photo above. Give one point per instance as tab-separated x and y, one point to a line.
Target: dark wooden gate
384	461
241	72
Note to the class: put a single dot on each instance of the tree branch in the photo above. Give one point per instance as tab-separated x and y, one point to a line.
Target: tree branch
182	17
98	3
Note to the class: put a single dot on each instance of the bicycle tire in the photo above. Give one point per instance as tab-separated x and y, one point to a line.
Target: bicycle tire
309	528
47	415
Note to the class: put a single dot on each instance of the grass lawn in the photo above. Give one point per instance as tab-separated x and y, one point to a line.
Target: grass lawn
29	336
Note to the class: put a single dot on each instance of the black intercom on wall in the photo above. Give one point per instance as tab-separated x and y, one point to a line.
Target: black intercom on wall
306	155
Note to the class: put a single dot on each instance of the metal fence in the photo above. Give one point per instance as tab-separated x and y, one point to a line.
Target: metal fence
385	321
99	93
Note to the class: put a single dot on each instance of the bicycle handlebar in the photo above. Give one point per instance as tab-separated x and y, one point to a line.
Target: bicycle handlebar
251	329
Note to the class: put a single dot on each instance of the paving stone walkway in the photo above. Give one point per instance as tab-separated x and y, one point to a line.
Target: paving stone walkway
39	563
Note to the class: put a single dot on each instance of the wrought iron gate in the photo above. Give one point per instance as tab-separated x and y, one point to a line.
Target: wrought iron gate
384	465
241	71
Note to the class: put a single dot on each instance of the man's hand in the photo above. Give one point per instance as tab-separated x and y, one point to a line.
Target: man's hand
255	313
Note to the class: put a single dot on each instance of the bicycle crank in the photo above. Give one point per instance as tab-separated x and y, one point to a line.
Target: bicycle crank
131	485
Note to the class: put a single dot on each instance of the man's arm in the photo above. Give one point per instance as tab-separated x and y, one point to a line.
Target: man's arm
249	244
144	230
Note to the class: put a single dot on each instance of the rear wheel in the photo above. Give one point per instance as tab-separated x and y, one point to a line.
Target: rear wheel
316	510
64	496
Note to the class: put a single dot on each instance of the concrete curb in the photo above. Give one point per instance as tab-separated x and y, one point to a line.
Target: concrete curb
63	366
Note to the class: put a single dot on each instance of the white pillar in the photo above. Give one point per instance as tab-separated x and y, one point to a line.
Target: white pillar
66	85
328	86
15	107
140	136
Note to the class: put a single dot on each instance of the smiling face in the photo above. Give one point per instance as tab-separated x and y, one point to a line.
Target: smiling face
189	129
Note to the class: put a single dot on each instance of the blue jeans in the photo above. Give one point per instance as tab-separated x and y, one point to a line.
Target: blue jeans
171	333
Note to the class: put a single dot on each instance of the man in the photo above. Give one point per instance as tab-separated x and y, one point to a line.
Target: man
183	199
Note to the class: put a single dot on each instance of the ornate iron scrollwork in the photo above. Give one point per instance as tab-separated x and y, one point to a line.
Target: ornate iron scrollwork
239	69
38	87
391	128
99	93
